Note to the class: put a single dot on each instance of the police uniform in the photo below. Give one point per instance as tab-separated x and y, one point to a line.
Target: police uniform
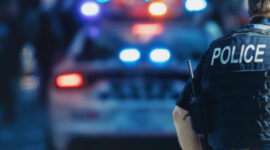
235	74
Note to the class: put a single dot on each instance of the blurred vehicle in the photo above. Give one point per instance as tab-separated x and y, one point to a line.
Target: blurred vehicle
119	77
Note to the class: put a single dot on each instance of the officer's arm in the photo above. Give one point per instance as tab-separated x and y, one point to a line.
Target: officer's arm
188	139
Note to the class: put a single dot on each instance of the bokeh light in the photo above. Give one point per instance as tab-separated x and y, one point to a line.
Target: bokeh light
103	1
72	80
158	9
130	55
160	55
90	9
147	29
196	5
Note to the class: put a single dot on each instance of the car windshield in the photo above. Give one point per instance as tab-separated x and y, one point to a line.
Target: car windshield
92	51
105	41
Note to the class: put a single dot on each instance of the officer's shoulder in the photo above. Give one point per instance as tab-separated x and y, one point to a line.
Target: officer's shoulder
226	36
243	31
223	39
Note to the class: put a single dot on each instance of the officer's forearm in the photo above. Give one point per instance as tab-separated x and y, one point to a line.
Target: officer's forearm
188	139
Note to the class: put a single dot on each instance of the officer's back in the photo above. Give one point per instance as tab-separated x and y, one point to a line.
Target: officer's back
238	79
234	78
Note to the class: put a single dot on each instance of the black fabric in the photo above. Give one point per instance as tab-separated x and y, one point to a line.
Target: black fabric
260	20
200	112
185	97
238	88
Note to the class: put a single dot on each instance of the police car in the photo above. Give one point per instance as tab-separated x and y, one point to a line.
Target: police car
118	79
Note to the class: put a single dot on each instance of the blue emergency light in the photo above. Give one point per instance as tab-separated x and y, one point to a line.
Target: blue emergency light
196	5
130	55
90	9
160	55
102	1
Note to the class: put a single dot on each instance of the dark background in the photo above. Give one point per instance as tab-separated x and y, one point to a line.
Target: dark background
35	35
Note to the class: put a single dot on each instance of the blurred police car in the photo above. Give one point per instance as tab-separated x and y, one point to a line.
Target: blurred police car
119	76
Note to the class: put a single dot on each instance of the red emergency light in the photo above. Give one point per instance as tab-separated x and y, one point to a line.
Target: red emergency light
158	9
147	29
72	80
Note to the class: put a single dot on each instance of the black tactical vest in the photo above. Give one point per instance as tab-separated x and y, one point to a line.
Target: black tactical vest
237	74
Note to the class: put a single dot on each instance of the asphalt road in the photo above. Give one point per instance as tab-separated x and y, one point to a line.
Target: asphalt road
28	132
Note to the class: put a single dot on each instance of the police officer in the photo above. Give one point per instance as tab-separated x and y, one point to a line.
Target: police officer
232	84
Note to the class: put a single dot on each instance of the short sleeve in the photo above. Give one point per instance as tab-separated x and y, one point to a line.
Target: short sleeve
185	96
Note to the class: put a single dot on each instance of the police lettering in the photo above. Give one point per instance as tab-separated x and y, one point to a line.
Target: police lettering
248	54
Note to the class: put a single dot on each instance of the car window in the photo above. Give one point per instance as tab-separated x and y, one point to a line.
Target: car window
92	51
